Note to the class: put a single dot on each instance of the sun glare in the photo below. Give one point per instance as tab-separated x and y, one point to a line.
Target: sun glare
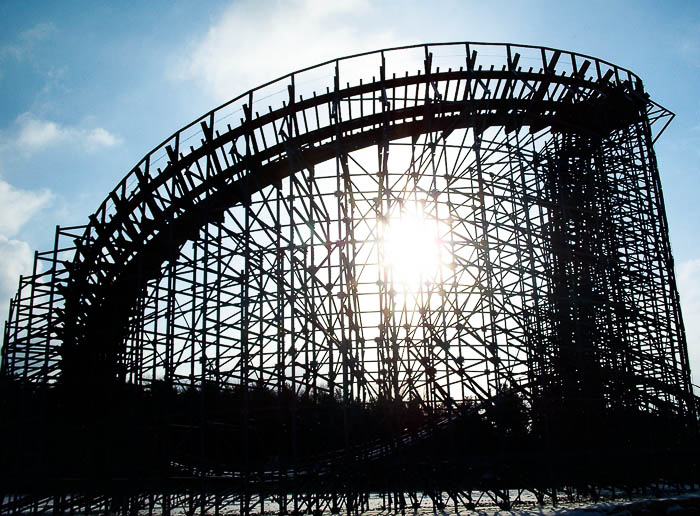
412	249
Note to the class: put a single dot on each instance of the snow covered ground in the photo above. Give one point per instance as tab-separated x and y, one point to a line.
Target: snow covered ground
682	505
677	505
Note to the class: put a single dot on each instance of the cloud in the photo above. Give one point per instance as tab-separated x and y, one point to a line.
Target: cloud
100	137
16	257
688	280
36	134
253	42
18	206
27	41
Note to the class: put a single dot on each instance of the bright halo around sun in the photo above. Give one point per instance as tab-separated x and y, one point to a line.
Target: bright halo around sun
413	250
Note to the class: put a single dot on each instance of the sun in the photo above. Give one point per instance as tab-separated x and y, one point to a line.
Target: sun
413	250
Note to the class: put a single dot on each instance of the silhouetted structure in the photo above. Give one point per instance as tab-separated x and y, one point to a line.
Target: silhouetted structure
228	331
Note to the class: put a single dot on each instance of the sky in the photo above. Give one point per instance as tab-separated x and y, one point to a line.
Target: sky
87	88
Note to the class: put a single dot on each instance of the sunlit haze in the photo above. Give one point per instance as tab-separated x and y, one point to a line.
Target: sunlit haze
412	249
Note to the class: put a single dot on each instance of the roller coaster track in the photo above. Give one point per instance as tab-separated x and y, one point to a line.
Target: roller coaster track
243	250
152	213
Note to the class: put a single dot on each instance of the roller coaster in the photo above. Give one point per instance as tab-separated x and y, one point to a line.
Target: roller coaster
440	271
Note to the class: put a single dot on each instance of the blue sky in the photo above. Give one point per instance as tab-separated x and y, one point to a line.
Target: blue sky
88	88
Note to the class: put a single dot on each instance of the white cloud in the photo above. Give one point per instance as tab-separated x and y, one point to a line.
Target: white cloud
16	258
100	137
36	134
688	280
18	206
256	41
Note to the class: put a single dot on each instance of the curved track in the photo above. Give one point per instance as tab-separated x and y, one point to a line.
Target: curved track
252	249
489	99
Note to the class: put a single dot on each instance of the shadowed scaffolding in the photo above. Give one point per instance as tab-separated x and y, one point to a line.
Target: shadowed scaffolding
434	270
